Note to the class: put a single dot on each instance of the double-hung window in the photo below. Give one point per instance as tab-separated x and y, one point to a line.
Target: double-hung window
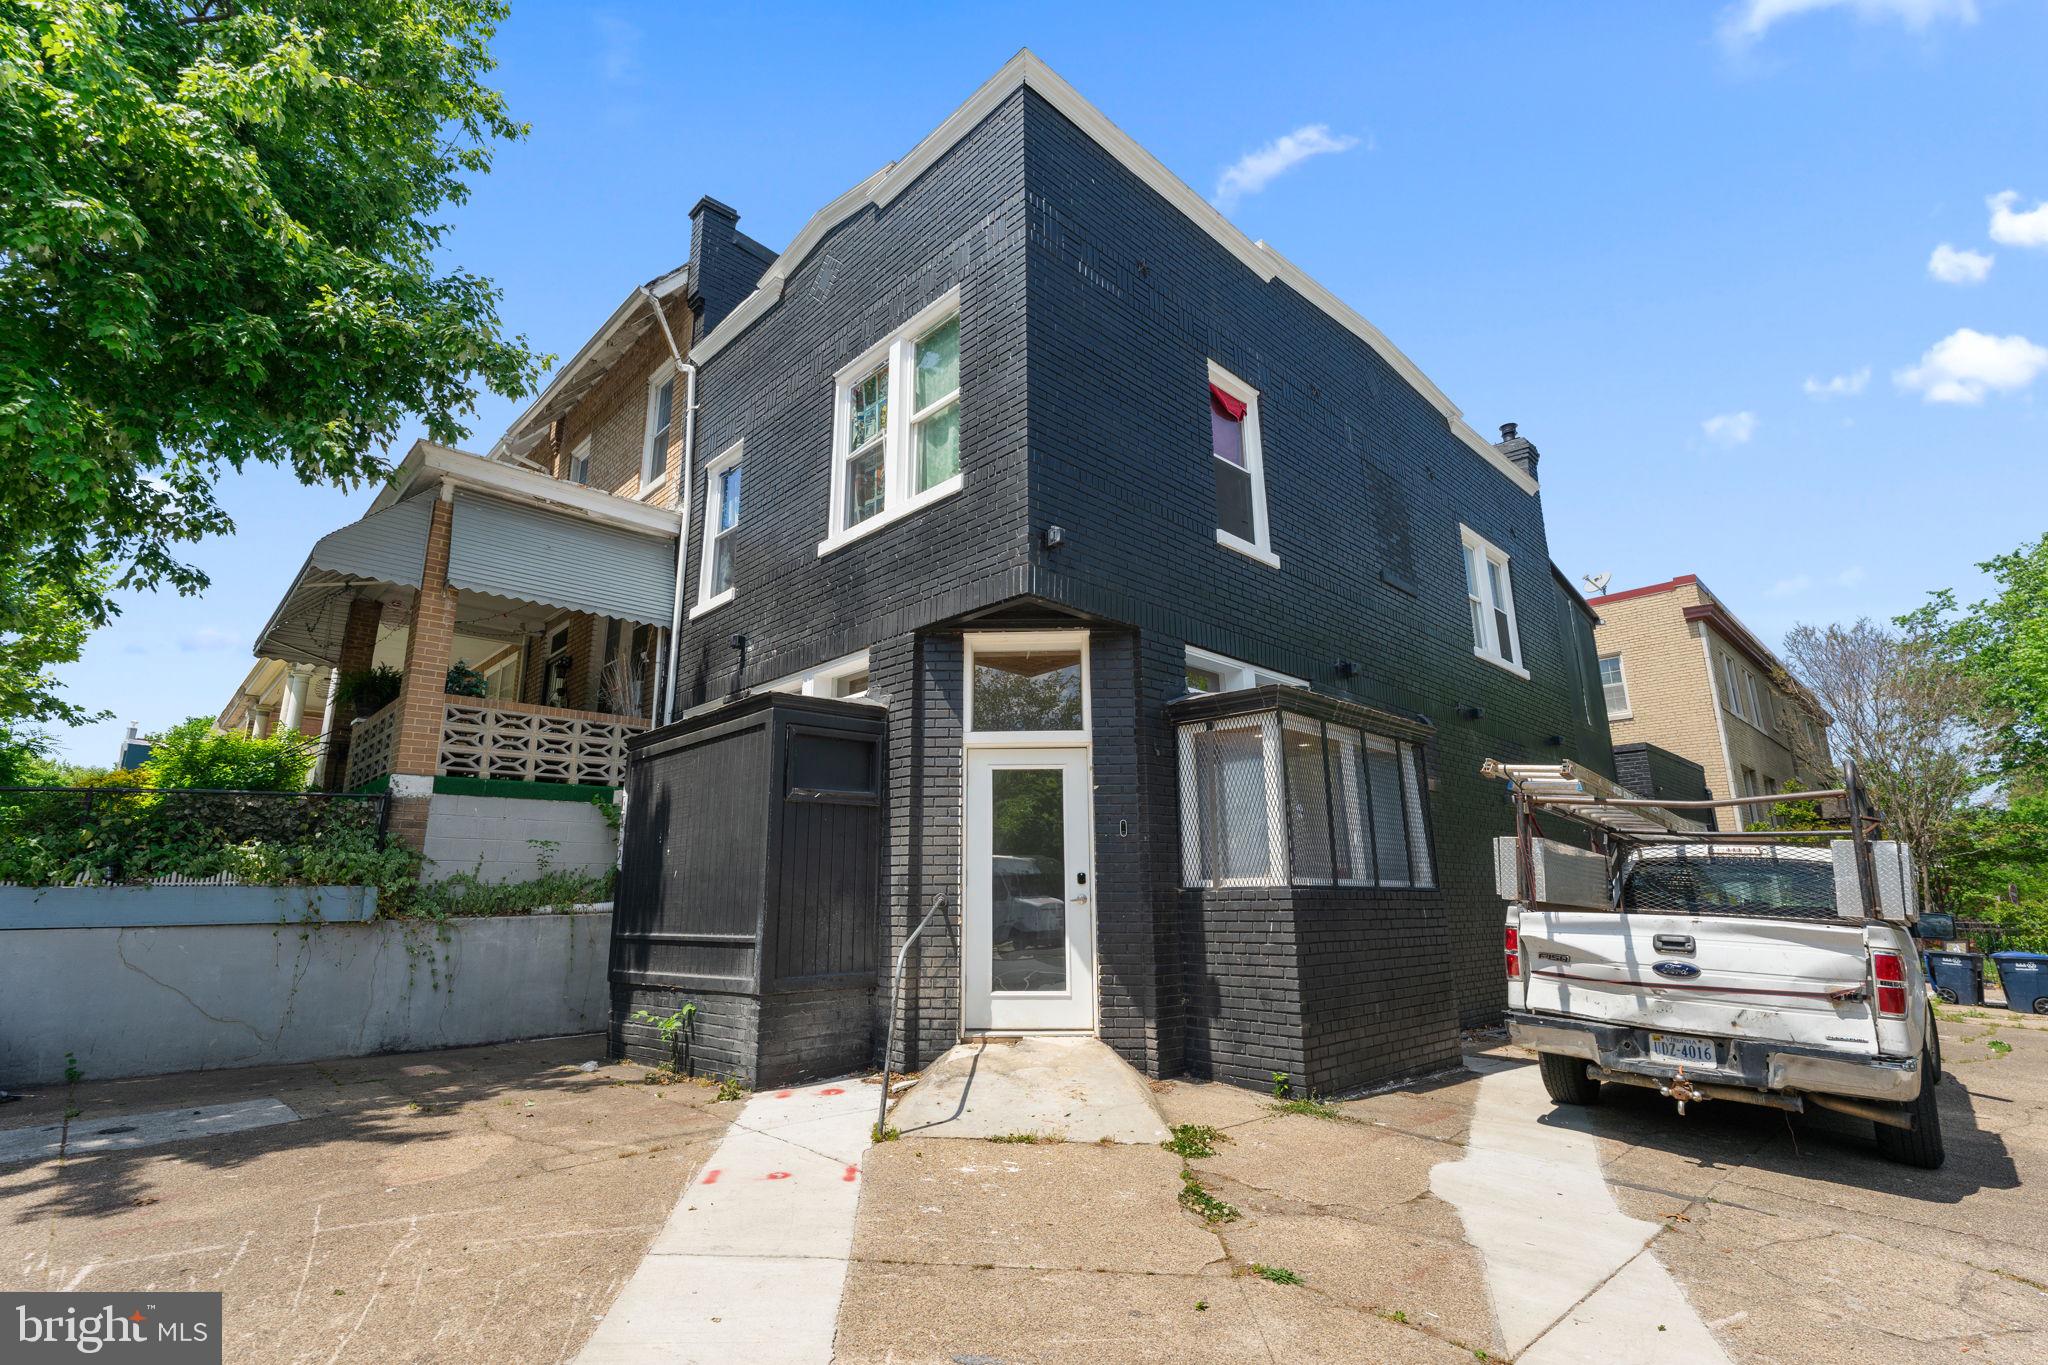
896	428
1613	685
1490	598
1238	464
661	416
579	462
721	520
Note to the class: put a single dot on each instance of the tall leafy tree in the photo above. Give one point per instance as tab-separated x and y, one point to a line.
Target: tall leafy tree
222	243
2002	643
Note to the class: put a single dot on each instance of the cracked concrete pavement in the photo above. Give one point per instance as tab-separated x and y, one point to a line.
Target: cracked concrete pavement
468	1204
1789	1241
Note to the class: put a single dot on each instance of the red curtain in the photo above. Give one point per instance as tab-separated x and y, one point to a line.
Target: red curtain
1227	406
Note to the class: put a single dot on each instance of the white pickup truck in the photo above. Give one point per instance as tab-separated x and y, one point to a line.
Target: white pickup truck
1705	966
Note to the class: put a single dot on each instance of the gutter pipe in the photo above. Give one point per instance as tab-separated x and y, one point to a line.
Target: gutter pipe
688	369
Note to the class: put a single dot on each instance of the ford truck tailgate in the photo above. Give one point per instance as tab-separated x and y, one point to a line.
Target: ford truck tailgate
1788	980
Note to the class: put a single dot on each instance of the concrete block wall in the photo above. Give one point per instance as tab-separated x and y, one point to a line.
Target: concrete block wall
494	837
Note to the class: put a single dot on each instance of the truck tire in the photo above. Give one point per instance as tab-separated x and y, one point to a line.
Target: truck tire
1921	1144
1566	1080
1934	1042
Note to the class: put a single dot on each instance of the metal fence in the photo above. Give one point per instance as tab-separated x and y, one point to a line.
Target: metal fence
175	836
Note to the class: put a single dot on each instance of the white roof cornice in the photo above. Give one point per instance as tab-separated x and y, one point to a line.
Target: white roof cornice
1025	70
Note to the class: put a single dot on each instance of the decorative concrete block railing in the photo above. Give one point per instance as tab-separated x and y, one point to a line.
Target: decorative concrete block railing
527	743
372	744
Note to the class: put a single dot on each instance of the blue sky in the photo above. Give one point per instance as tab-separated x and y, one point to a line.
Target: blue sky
1692	249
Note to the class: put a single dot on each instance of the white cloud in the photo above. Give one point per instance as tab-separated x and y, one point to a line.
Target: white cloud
1730	428
619	47
1256	170
1851	576
1749	20
1965	365
1841	386
1952	266
2017	229
1789	587
208	639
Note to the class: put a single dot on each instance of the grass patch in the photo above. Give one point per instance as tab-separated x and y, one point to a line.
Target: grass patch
1195	1199
1314	1108
1026	1139
880	1134
1278	1274
1999	1046
1193	1140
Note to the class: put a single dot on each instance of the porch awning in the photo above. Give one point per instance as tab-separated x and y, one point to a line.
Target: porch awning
499	549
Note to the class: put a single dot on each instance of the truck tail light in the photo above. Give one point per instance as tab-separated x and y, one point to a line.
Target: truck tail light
1514	950
1890	971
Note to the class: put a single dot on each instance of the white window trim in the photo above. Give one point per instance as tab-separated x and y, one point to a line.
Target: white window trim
580	451
1260	547
898	502
1490	651
1628	711
1235	674
649	484
726	459
817	682
1012	642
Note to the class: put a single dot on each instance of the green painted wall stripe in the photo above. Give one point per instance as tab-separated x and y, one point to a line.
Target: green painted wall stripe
524	791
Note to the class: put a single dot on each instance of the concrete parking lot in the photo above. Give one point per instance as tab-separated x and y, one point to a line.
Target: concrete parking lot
489	1203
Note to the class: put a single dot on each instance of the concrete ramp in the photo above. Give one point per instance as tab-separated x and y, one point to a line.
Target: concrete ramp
1071	1089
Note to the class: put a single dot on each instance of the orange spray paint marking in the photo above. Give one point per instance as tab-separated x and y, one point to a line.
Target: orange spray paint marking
710	1178
784	1094
776	1175
832	1090
852	1174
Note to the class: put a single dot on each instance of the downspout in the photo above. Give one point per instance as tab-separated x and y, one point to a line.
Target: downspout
688	369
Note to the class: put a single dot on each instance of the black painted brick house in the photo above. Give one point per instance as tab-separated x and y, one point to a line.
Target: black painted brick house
1093	298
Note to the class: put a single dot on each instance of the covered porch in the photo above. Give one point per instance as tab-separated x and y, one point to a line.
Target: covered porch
484	630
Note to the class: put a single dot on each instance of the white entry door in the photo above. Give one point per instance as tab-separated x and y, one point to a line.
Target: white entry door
1030	923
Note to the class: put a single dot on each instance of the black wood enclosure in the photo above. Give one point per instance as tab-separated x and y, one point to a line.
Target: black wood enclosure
750	887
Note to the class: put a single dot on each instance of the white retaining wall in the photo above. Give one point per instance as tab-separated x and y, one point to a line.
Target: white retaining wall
493	837
144	1001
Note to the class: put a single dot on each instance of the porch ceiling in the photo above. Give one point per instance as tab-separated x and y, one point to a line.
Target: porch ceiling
513	565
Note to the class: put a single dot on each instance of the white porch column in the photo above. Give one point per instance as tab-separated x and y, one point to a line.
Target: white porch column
293	710
319	775
259	721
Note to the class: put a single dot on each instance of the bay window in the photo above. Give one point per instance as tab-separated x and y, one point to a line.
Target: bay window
896	426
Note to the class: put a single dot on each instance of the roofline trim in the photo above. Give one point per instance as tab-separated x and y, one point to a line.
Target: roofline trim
1027	71
1668	585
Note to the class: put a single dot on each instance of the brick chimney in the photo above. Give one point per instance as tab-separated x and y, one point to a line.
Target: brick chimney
1517	448
722	270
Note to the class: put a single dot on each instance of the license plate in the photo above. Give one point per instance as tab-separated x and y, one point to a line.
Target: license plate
1676	1047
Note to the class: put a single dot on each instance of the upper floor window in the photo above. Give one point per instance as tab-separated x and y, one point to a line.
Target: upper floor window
1490	597
896	428
721	519
1614	685
1237	463
579	462
661	415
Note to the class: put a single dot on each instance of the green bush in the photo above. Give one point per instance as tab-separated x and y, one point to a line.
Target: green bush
367	691
464	681
194	754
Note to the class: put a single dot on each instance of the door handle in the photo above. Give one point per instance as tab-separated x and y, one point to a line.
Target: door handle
1077	900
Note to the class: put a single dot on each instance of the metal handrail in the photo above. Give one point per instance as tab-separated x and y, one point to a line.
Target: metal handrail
895	1000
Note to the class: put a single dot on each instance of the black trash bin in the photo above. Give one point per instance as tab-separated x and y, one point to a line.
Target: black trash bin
2026	981
1958	977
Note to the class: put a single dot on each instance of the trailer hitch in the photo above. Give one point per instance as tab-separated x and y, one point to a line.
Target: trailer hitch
1680	1089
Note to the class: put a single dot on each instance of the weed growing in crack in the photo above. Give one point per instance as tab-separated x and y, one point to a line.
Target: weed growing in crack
1312	1107
1195	1199
1278	1274
1283	1085
1193	1140
880	1134
1028	1139
730	1088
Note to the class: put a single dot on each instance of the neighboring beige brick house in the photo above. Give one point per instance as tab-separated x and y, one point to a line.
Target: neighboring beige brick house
1680	671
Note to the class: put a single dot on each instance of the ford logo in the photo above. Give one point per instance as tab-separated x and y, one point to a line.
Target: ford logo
1680	969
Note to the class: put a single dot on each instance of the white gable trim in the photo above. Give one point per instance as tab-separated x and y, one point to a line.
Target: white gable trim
1026	70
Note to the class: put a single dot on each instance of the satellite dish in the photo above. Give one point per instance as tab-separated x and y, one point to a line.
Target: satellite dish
1596	583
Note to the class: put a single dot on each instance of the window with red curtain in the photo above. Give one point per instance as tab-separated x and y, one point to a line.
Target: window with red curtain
1233	478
